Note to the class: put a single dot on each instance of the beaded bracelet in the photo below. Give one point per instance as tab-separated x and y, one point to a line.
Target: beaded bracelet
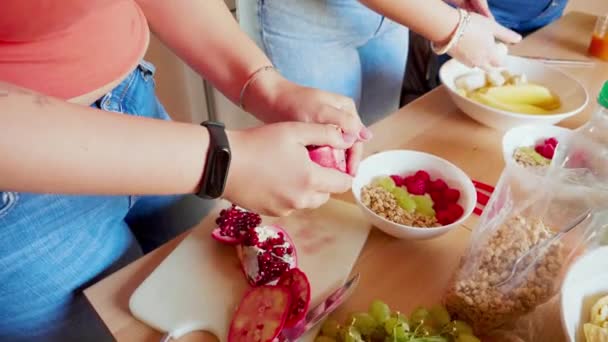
464	17
250	80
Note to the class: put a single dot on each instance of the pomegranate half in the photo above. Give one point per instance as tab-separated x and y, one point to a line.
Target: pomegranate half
297	282
328	157
233	224
267	252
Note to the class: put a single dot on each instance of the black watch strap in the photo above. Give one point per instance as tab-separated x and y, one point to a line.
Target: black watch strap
217	163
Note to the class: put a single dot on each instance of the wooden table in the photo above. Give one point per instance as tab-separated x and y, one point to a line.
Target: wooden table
413	273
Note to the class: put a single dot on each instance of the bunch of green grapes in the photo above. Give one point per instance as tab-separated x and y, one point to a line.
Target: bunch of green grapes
380	324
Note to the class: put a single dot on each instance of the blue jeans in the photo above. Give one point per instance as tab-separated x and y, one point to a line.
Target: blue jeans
54	246
339	46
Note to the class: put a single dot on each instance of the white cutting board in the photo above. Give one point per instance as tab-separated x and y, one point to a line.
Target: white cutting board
200	284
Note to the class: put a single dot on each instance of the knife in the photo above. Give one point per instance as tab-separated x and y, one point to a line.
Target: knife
319	312
561	61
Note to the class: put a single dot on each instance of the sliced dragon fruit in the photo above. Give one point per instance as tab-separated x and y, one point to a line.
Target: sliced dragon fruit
233	224
261	315
267	252
299	286
328	157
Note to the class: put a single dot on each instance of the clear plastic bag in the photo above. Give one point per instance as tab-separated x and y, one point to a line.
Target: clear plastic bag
521	216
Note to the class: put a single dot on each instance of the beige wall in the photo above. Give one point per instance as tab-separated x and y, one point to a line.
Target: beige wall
179	88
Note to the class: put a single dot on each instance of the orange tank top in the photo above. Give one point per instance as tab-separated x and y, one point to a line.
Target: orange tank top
69	48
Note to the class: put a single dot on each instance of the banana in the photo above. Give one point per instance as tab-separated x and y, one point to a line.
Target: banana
593	333
522	108
495	78
470	82
531	94
599	311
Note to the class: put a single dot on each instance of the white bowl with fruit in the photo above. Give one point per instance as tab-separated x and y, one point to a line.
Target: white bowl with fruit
413	195
523	92
584	298
532	146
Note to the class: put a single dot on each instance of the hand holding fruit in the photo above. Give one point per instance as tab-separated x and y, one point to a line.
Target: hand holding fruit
272	98
272	172
478	47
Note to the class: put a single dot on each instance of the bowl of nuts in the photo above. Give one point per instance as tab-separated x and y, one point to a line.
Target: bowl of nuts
413	195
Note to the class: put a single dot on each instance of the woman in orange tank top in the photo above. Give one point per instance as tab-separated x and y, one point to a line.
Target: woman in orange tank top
91	163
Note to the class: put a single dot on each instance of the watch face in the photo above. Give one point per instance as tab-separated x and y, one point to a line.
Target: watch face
218	172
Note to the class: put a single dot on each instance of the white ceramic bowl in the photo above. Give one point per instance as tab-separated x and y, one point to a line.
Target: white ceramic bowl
530	135
402	162
585	282
573	95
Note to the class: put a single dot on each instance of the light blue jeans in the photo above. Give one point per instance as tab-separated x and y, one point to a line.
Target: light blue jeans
339	46
54	246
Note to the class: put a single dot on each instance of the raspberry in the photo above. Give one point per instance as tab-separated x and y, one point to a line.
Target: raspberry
436	196
546	151
551	141
416	186
421	174
399	181
444	217
451	195
437	185
455	211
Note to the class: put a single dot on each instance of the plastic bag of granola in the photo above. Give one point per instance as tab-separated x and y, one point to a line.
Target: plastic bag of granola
514	264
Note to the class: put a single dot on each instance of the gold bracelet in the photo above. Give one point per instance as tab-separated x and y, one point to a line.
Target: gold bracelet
250	80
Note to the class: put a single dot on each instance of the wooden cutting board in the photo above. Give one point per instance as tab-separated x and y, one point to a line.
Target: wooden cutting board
200	284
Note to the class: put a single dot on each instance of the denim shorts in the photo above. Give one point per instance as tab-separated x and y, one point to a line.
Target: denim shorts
339	46
53	246
526	16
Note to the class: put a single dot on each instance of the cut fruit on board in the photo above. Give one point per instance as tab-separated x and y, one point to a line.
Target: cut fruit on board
297	283
200	284
261	314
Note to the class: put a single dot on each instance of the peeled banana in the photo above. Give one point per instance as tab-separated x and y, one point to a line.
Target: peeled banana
506	91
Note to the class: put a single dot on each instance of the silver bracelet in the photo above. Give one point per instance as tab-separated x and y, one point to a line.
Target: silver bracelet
250	80
463	21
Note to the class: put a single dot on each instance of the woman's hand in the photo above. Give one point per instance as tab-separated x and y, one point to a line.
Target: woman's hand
478	46
272	98
477	6
271	171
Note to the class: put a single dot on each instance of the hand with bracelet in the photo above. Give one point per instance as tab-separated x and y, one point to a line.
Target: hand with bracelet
472	38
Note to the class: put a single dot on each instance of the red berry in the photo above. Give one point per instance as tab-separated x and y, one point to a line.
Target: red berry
416	187
551	141
436	196
399	181
408	179
455	211
437	185
539	149
444	217
549	151
451	195
421	174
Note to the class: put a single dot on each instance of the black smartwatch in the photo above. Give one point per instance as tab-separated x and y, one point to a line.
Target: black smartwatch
217	164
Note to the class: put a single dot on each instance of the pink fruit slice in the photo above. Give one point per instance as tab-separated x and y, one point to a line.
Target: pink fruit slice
328	157
233	223
297	282
266	254
261	315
